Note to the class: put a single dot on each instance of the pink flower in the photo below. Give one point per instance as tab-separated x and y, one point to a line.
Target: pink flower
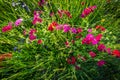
7	28
101	63
87	11
74	30
101	47
92	54
36	18
59	27
66	28
18	22
89	30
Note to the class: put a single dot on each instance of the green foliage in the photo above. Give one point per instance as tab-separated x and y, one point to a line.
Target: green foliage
47	61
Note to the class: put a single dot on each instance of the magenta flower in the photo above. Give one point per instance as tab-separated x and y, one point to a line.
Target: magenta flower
101	63
90	36
91	39
74	30
88	39
32	37
101	47
7	28
18	22
94	41
66	28
31	34
87	11
92	54
36	18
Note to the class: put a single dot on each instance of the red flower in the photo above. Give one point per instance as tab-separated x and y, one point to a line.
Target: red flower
116	53
98	37
51	28
79	30
100	27
73	41
101	47
92	54
52	25
82	3
68	14
87	11
7	28
71	60
39	41
67	44
77	67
